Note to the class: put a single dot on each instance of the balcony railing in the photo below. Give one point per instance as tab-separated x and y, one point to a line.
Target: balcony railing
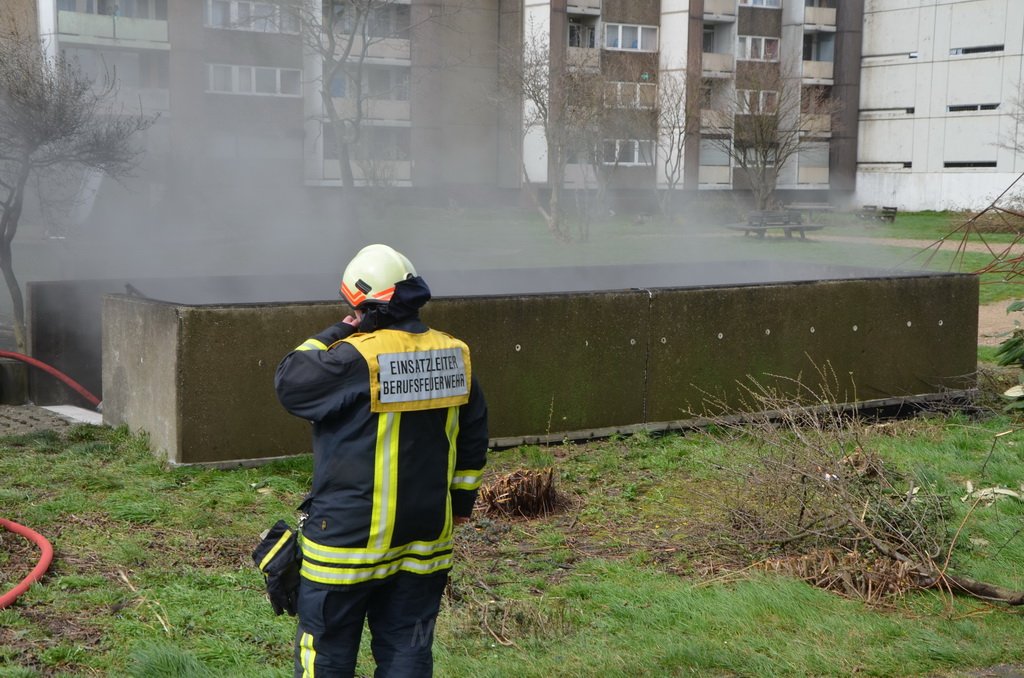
583	58
375	109
812	175
724	10
583	7
714	174
715	65
383	48
150	99
816	123
104	29
818	71
820	17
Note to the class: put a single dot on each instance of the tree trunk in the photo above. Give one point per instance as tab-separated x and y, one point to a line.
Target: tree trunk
8	227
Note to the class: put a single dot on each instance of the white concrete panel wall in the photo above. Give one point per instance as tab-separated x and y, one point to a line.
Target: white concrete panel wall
892	31
536	22
888	86
978	22
886	140
929	83
47	15
970	139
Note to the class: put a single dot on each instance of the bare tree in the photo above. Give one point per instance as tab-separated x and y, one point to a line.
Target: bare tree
344	37
565	107
768	121
673	127
52	118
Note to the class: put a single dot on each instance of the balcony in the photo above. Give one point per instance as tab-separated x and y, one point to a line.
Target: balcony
388	172
591	7
711	119
821	19
714	175
817	72
812	175
583	58
816	124
112	31
150	100
719	11
386	48
374	109
715	65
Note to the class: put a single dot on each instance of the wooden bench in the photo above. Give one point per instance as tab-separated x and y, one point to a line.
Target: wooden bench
876	213
789	221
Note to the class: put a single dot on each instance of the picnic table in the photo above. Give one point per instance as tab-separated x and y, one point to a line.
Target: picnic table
788	221
876	213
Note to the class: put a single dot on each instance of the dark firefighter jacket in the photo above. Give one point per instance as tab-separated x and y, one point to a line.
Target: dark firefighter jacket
399	444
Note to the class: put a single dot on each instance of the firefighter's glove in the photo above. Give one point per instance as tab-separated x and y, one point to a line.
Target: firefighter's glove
277	557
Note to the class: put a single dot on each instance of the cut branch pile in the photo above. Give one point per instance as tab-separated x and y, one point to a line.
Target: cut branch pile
525	492
811	499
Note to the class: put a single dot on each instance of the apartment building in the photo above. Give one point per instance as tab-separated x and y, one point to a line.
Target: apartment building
424	102
939	92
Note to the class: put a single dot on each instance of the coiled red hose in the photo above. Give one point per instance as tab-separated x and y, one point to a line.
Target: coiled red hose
38	571
74	385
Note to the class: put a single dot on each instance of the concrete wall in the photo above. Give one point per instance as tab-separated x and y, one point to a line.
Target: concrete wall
200	378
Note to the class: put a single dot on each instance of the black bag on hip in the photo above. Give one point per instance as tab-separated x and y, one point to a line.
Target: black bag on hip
277	556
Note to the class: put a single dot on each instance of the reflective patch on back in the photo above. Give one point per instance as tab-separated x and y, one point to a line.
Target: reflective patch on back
422	375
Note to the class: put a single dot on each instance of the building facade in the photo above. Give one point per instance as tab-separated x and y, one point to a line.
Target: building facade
925	96
939	103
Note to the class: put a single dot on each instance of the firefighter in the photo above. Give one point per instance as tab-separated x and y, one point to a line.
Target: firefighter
399	444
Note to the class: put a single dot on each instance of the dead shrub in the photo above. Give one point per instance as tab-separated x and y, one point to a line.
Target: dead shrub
525	492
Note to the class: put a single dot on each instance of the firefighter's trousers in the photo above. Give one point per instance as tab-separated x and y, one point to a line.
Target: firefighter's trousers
401	611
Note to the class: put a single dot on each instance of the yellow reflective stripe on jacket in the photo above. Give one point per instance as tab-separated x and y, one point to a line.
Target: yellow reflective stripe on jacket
334	555
311	345
451	431
330	575
385	482
277	547
307	656
465	479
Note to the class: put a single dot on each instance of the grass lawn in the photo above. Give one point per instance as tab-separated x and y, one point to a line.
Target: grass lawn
152	575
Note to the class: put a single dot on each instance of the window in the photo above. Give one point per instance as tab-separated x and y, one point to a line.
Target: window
339	86
813	155
581	35
762	3
243	15
709	40
967	164
754	48
386	83
628	152
630	95
753	102
975	50
960	108
631	37
758	157
66	5
388	21
258	80
713	152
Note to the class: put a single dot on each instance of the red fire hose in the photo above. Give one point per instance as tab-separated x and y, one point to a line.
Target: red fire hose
74	385
38	571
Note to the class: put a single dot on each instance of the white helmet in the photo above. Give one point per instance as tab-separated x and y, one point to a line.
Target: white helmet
371	275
